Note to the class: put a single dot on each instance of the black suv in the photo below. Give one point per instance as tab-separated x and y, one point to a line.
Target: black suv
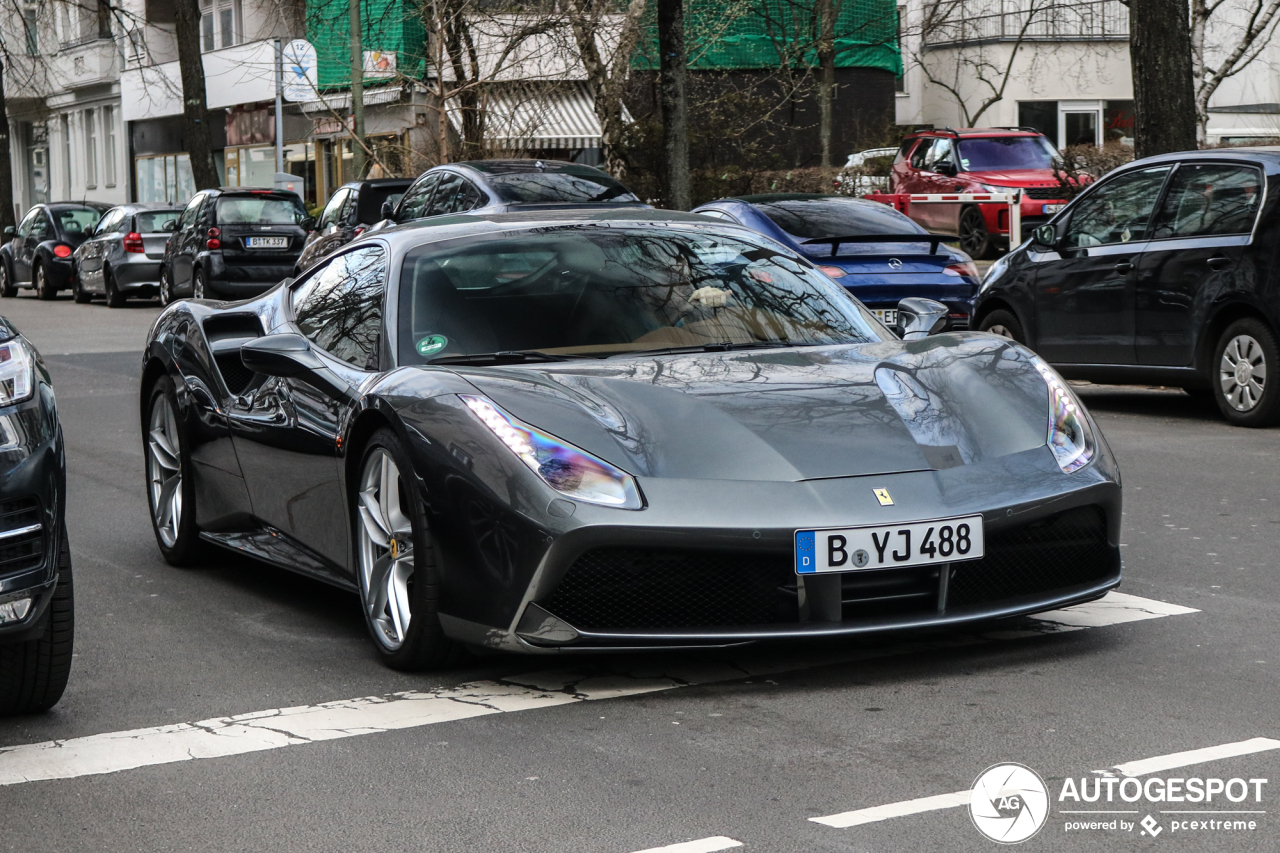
233	243
1164	272
36	601
38	252
351	210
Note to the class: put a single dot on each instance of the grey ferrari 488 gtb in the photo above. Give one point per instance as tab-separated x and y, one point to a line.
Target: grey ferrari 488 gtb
561	431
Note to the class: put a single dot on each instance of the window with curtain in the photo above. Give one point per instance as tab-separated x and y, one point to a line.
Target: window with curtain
109	146
219	24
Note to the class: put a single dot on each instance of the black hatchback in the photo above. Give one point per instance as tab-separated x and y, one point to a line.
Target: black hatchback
351	210
233	243
1164	272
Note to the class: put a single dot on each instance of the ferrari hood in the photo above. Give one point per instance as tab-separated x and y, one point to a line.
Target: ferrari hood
787	415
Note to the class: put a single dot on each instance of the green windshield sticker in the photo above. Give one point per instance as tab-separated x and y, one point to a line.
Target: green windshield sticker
432	344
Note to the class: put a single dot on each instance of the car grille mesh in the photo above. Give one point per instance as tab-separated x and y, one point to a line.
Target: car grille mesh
621	589
233	371
24	550
1044	193
1064	550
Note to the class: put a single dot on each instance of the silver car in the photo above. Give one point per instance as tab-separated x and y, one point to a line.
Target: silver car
122	256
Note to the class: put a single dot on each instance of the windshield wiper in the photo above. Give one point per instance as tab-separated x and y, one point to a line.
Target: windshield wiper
505	357
724	346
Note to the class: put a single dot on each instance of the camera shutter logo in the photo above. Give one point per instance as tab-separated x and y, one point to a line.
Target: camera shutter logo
1009	803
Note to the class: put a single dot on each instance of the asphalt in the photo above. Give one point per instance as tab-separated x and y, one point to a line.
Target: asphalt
750	758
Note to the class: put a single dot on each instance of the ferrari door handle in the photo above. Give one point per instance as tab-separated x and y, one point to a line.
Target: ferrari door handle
1219	263
1124	267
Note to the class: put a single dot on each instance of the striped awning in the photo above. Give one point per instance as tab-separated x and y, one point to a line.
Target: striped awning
540	117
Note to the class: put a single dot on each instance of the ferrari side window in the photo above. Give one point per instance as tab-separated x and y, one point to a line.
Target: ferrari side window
340	308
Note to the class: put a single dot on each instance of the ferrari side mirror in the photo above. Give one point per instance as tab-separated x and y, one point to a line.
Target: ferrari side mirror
169	225
8	231
308	224
280	355
388	210
918	317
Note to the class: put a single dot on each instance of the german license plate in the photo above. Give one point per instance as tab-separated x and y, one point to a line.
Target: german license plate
888	316
266	242
1051	208
888	546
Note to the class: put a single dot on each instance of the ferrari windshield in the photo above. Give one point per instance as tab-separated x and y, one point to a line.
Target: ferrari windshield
598	290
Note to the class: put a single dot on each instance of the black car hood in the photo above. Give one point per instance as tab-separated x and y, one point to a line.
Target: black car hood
787	415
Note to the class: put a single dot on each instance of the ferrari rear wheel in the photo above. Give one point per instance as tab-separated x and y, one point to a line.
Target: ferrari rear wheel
170	489
399	584
43	288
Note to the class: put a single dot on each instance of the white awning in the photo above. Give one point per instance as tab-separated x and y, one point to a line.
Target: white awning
341	101
520	117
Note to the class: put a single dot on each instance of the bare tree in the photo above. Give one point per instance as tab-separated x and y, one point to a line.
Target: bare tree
972	56
1241	30
673	98
1163	92
607	65
195	108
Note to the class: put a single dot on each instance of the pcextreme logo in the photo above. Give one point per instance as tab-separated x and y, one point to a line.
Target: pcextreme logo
1011	803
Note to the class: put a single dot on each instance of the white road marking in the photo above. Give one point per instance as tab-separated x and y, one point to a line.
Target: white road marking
1141	767
1195	756
281	727
702	845
906	807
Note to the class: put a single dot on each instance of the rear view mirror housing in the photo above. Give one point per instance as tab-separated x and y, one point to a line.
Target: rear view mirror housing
388	211
948	169
169	225
9	231
919	317
1045	237
308	224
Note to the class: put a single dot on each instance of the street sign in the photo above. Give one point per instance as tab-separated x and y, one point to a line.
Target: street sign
300	80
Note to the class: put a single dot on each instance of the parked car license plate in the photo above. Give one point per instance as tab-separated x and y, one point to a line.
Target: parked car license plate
1051	208
887	546
888	316
266	242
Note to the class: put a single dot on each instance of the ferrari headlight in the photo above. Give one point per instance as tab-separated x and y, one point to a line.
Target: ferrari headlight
574	473
1070	436
16	381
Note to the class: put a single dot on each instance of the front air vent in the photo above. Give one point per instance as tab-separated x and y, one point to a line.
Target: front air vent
21	534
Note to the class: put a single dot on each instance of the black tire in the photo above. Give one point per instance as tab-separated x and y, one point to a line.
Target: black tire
7	288
424	645
1005	324
44	289
115	299
974	238
186	549
78	292
1256	401
34	673
166	289
199	288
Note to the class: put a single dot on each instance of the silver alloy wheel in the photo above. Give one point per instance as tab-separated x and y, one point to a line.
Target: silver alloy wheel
1243	373
1001	330
197	287
166	294
164	470
385	550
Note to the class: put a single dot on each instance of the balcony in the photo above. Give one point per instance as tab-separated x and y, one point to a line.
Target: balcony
985	22
89	63
243	74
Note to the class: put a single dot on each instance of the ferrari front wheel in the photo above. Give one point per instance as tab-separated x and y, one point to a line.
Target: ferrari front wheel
398	579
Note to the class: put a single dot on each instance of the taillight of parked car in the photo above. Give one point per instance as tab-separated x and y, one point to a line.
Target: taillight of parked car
833	272
62	251
966	269
214	242
133	243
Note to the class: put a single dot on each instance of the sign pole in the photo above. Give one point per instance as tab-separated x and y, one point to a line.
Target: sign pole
279	106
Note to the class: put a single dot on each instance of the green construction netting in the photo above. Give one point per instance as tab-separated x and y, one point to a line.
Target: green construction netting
388	25
725	35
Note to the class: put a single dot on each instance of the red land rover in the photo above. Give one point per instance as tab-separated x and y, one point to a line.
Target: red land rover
978	160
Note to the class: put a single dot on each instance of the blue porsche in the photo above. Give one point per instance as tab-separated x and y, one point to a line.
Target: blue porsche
879	255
